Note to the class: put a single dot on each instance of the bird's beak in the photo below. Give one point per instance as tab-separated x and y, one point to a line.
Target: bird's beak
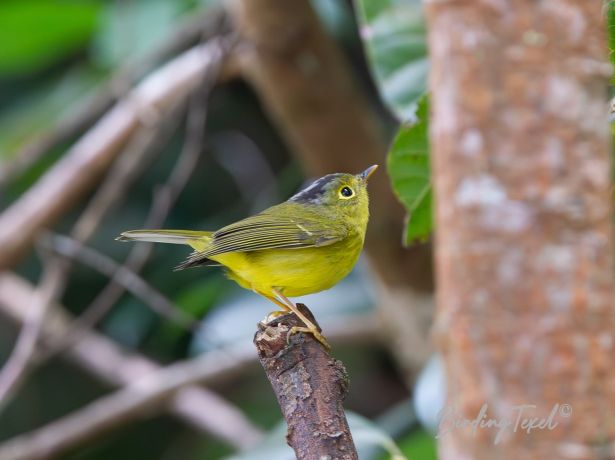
368	172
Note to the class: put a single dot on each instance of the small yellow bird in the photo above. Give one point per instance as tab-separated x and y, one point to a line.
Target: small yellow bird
305	245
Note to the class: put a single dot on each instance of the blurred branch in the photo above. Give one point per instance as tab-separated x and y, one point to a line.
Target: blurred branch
101	357
107	361
147	142
154	128
164	199
197	27
141	396
144	144
138	154
310	387
153	298
307	86
15	368
81	166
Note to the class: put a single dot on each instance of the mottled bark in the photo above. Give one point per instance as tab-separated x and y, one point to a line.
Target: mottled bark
524	252
310	387
306	84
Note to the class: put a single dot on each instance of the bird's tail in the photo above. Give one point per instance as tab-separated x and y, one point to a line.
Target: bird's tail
198	240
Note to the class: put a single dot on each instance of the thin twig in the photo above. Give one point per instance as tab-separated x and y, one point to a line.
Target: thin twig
82	165
163	201
110	363
110	412
128	279
146	143
15	368
138	154
94	213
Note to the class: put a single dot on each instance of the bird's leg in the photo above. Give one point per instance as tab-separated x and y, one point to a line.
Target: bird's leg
274	314
310	327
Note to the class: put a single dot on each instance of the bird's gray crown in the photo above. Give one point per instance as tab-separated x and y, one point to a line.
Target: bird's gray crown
314	193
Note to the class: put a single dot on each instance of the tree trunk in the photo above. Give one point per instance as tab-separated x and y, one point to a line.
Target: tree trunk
524	254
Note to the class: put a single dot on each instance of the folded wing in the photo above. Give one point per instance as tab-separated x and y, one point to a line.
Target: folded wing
276	228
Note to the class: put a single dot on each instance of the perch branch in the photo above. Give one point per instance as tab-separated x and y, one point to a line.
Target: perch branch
80	167
310	387
101	357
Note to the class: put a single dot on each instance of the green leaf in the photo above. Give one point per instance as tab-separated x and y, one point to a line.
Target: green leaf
132	29
370	440
43	105
197	299
36	33
408	166
419	445
394	34
610	12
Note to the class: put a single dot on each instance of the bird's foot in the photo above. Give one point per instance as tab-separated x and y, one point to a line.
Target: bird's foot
310	330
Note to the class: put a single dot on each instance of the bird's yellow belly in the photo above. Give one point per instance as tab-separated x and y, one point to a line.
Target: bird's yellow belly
294	272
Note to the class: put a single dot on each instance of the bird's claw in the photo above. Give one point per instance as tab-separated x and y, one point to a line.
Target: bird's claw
308	330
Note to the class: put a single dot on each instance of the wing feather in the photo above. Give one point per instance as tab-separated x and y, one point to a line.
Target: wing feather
276	228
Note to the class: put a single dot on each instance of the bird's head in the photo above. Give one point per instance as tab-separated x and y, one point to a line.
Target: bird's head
340	192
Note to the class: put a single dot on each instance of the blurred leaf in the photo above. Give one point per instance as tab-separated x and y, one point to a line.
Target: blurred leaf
196	300
350	298
337	17
394	34
366	433
36	33
41	107
408	165
199	298
131	29
611	31
369	439
429	394
419	445
129	322
209	3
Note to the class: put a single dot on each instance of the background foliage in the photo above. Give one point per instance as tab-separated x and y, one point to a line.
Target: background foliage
56	56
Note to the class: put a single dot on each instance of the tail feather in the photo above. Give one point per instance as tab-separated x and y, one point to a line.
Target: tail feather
198	240
196	260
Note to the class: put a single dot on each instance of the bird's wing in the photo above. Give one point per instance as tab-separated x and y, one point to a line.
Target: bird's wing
276	228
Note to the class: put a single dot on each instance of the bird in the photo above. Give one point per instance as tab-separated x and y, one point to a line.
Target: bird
304	245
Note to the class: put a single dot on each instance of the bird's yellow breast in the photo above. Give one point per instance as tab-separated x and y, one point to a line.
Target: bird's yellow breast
294	272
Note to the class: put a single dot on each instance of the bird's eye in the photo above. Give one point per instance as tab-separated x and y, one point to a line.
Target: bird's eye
346	192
